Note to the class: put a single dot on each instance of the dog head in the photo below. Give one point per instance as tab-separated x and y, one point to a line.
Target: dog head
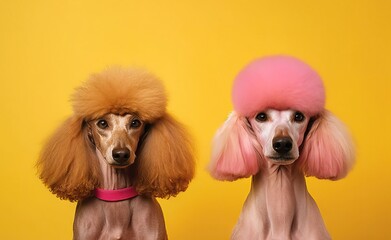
119	115
280	117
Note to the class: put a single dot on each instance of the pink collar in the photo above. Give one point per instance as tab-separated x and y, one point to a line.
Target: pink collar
115	195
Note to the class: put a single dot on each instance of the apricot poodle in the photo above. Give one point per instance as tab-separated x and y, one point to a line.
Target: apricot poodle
116	153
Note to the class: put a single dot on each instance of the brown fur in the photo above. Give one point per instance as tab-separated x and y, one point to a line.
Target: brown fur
165	169
165	163
120	91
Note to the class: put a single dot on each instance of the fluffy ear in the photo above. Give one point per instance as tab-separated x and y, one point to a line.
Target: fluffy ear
235	150
165	160
65	164
328	151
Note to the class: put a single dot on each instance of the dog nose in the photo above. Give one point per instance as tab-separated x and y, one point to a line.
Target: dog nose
282	144
121	155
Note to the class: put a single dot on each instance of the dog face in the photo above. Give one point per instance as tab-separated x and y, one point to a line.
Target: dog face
280	134
116	137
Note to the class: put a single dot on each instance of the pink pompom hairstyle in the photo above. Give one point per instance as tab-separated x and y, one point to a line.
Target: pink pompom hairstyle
280	82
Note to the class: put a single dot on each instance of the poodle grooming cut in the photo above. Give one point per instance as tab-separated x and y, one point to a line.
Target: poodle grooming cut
278	133
116	153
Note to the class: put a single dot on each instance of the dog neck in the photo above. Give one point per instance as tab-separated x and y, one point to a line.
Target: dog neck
281	191
113	178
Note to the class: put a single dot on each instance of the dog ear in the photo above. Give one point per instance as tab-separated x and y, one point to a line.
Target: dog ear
328	151
65	164
165	159
235	150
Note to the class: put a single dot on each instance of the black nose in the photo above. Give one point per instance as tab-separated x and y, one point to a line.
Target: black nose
121	155
282	144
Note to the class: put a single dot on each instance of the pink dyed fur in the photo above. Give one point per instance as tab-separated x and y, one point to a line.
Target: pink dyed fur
236	152
278	82
328	151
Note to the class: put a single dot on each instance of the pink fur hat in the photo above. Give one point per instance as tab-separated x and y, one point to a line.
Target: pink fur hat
279	82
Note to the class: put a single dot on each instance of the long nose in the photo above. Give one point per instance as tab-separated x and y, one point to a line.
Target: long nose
282	144
121	155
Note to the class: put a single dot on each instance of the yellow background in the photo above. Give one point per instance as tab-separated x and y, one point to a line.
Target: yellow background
47	48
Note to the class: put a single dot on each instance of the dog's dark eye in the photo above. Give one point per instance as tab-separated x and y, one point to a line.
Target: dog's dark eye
135	123
261	117
299	117
102	124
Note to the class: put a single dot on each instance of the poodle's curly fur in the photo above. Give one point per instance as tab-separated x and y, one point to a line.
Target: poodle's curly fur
165	162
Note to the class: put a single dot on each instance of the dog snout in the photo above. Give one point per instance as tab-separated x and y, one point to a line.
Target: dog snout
121	155
282	145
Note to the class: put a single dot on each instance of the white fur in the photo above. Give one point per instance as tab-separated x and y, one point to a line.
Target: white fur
279	123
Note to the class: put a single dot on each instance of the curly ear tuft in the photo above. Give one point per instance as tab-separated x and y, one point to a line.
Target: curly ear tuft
328	151
235	151
165	163
65	163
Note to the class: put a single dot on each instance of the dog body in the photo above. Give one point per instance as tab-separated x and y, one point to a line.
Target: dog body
138	218
117	153
279	205
278	134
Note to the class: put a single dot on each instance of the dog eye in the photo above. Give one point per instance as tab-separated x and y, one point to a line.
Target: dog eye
299	117
102	124
135	123
261	117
